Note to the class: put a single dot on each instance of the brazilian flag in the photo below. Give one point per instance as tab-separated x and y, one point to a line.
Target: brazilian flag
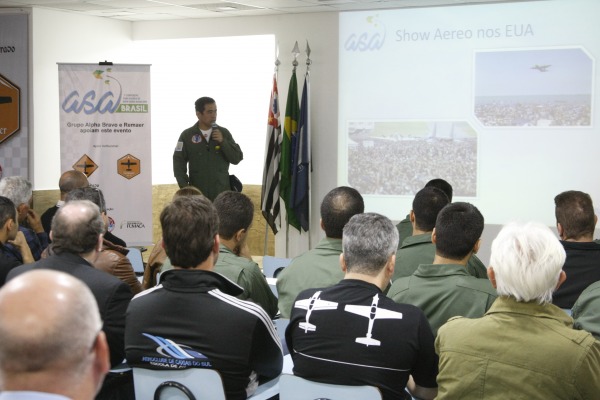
288	147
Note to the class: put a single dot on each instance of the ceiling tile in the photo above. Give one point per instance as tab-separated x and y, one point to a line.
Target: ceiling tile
151	10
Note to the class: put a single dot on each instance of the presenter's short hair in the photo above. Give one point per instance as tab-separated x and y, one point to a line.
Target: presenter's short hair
202	101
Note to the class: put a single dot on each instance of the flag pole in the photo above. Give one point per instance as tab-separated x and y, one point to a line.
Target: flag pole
308	63
295	54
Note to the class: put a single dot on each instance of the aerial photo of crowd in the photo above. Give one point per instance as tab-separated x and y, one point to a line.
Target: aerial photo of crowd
402	167
534	113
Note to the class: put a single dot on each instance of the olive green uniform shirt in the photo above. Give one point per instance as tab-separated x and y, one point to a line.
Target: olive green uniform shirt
517	351
419	249
586	310
317	268
405	229
248	275
443	291
208	162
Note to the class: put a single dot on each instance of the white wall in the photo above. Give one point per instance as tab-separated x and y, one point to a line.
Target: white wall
64	37
321	31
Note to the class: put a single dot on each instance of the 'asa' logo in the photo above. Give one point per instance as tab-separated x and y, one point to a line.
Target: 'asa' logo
91	102
372	39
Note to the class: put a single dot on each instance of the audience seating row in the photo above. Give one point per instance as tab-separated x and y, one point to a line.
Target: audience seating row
197	383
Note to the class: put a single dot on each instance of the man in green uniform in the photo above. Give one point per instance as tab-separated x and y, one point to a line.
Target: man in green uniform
524	347
235	212
586	311
445	289
208	149
418	248
320	267
404	227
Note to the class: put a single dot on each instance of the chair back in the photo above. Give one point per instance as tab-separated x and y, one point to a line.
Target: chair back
181	384
292	387
272	266
135	258
281	325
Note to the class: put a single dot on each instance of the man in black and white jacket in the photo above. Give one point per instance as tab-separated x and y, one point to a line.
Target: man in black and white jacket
193	318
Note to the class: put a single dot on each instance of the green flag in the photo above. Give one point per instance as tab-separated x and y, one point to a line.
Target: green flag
290	130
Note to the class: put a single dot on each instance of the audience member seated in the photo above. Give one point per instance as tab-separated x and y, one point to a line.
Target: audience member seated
19	191
524	347
52	345
352	334
68	181
158	258
112	258
9	232
320	267
404	227
586	310
235	211
195	310
445	289
418	249
77	231
575	222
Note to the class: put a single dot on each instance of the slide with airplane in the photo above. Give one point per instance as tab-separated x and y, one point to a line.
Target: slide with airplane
541	68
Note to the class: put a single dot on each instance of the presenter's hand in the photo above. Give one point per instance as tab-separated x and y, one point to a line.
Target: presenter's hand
217	136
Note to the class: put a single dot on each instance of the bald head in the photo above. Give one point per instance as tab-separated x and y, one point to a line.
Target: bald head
70	180
49	325
76	227
337	207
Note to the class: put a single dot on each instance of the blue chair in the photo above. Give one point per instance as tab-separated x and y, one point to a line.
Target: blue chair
182	384
272	266
189	384
281	325
135	258
292	387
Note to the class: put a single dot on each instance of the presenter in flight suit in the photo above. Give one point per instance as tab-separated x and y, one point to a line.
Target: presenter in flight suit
208	149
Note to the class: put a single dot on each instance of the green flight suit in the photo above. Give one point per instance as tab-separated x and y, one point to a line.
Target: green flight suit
586	310
248	275
317	268
517	351
443	291
405	229
419	249
208	162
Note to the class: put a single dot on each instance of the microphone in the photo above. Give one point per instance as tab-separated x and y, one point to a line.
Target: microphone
214	126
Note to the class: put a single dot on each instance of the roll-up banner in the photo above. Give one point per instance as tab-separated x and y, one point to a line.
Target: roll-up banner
105	133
